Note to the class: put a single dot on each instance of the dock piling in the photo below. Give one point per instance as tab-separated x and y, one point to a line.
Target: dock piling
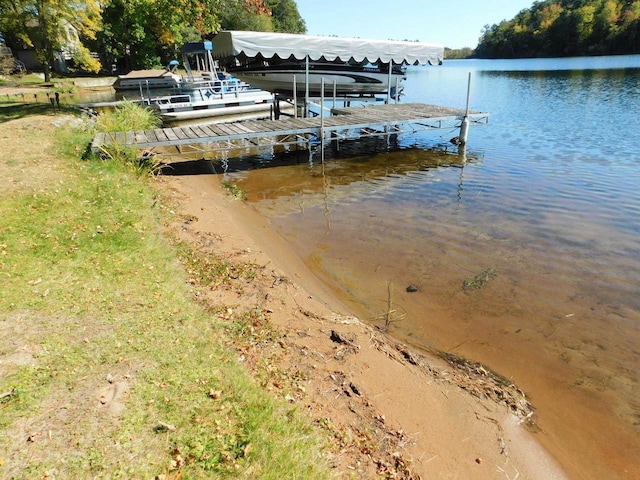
464	126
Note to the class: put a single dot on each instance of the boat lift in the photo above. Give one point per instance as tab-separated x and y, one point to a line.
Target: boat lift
242	46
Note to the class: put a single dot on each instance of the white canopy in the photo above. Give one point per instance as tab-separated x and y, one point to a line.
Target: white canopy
285	45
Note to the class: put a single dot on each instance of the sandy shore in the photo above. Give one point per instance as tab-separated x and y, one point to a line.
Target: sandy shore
391	409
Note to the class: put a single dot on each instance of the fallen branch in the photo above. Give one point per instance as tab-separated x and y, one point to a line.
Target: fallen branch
7	394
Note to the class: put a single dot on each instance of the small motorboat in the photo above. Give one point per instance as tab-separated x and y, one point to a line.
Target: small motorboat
206	92
225	96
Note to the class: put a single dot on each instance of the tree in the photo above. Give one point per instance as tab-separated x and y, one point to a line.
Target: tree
286	17
40	23
245	15
147	33
566	27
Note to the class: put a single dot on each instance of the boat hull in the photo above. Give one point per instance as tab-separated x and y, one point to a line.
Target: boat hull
189	107
186	114
347	80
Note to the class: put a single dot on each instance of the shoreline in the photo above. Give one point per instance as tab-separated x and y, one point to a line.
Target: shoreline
434	419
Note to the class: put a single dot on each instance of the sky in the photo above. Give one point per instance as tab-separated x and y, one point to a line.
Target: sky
453	23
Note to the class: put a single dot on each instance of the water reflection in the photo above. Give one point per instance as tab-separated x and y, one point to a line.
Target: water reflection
354	169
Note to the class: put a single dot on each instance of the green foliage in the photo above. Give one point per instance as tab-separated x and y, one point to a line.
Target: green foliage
148	33
7	64
557	28
286	17
44	24
136	34
458	53
84	61
128	117
234	17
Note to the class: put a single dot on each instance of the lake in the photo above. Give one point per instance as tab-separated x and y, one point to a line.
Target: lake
541	214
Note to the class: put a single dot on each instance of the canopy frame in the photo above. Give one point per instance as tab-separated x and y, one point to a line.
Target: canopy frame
245	45
268	45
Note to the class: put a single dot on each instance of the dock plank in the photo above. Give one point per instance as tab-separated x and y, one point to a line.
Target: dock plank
98	141
242	127
151	136
140	137
199	132
171	134
161	135
254	127
234	129
207	132
189	132
180	133
218	131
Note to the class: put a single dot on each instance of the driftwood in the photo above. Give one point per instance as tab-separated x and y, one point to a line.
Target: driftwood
7	394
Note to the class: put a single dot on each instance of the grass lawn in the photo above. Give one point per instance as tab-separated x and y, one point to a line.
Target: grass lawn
109	367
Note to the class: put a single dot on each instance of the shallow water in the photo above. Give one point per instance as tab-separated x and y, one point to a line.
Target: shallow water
545	205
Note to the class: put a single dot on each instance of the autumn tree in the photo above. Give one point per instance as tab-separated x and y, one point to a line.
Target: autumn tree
565	27
148	33
245	15
144	33
40	24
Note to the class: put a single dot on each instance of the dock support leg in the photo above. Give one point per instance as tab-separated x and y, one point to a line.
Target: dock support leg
335	142
306	87
464	131
464	127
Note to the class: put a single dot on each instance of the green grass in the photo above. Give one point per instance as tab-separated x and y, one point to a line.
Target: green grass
128	116
93	289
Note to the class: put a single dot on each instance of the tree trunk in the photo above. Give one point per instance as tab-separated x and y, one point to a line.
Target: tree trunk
47	48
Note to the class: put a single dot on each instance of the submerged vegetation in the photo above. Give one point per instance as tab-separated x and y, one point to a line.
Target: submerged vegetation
234	191
480	280
99	323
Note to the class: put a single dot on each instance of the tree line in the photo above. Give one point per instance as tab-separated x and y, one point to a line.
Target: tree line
560	28
133	34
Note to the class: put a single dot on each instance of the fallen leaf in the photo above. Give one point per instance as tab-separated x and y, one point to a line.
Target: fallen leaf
215	394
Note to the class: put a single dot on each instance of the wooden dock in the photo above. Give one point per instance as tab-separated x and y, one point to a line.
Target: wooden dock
344	123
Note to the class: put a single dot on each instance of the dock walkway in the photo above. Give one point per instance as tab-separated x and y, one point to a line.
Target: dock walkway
344	123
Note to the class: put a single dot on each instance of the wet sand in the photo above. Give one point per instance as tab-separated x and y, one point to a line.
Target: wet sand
451	433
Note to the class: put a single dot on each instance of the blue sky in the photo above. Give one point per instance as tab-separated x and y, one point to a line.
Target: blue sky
454	23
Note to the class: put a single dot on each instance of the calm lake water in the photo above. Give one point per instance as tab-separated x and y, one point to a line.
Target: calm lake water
546	208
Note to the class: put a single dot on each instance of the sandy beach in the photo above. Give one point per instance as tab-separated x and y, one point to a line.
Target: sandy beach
391	408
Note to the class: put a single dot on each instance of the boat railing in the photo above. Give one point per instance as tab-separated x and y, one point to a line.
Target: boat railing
195	91
219	88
